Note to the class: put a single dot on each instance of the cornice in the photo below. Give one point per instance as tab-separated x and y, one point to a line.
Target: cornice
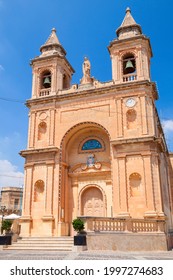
25	153
132	39
147	139
50	57
115	89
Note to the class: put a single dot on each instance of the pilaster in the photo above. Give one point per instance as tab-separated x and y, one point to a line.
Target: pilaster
52	127
143	115
157	185
122	187
26	219
151	212
32	128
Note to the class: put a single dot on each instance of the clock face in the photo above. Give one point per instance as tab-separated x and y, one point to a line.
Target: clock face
130	102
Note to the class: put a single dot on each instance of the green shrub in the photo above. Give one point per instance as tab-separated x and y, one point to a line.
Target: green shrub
6	225
78	225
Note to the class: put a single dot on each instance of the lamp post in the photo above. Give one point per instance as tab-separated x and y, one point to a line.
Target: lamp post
2	212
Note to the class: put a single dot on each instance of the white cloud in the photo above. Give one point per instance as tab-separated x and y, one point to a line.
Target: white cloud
10	146
9	175
167	125
168	131
1	68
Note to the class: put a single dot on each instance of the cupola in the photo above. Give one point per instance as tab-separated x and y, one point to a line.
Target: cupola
129	27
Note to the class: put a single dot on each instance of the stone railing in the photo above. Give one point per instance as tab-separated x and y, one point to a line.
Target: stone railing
121	225
129	78
44	92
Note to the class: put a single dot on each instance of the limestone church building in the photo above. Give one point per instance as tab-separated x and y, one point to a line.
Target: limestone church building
96	150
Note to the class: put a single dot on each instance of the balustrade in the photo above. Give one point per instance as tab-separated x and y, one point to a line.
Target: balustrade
44	92
129	78
119	225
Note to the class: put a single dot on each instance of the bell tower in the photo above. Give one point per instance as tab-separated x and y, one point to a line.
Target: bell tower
51	70
130	52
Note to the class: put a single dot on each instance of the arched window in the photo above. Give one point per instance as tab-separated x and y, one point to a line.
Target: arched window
135	184
46	80
91	144
38	190
66	83
42	129
129	64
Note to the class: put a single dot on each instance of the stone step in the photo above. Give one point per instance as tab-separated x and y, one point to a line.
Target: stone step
55	239
37	248
42	243
45	241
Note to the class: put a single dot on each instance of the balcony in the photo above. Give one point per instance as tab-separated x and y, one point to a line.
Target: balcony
44	92
129	78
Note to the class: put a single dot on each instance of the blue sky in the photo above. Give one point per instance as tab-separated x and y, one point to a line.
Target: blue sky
84	28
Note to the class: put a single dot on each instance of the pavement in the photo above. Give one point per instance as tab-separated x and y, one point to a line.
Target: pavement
84	255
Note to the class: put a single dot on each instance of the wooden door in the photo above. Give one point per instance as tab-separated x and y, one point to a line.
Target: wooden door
92	203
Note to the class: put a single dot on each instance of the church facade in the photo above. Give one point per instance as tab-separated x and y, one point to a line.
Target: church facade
96	150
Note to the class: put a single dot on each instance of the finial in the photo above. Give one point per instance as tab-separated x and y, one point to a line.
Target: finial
128	10
54	30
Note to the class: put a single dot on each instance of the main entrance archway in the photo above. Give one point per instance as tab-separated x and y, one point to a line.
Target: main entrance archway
85	174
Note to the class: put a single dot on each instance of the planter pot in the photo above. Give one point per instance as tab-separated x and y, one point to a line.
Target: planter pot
5	240
80	240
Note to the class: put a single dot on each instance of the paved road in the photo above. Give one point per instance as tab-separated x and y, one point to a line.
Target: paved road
85	255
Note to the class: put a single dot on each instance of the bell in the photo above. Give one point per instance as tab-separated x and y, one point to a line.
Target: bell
47	82
129	68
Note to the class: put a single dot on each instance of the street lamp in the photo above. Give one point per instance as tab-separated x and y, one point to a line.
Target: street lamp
2	212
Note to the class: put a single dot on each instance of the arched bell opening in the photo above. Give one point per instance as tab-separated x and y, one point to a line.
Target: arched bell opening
129	64
46	80
66	82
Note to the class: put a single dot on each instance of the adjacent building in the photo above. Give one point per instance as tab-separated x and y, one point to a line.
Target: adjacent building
11	200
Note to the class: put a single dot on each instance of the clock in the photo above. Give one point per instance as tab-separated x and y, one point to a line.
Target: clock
130	102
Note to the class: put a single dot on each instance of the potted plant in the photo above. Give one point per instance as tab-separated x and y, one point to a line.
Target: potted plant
6	225
80	238
7	238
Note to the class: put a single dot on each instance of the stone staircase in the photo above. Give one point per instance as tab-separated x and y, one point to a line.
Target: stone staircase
42	244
